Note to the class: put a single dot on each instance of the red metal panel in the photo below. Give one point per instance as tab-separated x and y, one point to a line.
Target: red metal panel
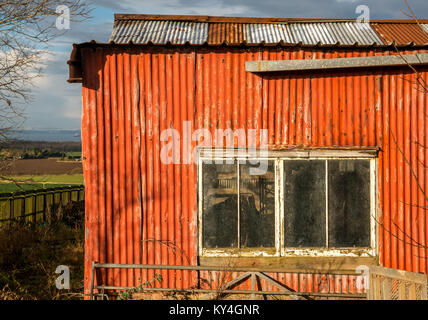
108	169
400	33
385	203
115	237
421	176
141	210
414	168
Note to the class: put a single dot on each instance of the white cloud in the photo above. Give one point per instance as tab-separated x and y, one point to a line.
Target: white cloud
72	108
56	102
208	7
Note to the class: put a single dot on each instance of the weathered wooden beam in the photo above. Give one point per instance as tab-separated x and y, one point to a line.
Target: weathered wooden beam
337	63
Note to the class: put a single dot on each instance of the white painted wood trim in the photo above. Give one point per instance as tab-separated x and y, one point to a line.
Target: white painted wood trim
279	207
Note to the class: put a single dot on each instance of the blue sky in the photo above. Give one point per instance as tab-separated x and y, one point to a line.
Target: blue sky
57	104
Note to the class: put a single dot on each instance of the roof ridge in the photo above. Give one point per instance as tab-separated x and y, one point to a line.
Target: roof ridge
226	19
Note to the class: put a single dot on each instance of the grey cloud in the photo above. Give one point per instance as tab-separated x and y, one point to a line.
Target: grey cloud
380	9
100	30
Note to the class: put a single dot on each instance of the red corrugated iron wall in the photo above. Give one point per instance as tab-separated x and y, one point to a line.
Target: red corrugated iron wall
140	210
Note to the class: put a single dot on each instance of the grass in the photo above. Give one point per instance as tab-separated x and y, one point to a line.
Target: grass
11	187
52	178
73	154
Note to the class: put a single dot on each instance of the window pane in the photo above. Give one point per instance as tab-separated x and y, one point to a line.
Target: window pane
304	203
220	209
257	204
349	203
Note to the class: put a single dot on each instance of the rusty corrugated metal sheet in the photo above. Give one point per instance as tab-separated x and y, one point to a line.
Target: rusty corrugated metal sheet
237	33
225	33
400	33
139	210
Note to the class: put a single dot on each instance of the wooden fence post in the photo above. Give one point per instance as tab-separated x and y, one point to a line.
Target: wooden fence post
23	207
34	208
45	195
12	210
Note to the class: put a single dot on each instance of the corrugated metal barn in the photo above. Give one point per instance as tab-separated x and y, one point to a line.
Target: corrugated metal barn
335	109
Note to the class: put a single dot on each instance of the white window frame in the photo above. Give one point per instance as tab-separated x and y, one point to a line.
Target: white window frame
278	157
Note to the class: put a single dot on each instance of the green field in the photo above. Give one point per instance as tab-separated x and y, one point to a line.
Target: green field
11	187
52	178
23	183
73	154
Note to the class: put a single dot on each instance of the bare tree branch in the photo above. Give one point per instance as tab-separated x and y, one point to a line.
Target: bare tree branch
26	27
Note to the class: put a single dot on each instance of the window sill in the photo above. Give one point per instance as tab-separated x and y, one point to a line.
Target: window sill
247	252
307	264
330	252
289	252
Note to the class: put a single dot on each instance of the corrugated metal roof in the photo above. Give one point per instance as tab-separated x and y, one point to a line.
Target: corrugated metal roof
267	32
400	33
425	27
215	32
331	33
176	32
225	32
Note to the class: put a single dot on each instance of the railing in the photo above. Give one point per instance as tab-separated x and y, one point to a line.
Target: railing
383	284
32	206
392	284
227	288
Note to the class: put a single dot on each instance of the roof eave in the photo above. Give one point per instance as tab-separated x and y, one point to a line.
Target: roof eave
76	72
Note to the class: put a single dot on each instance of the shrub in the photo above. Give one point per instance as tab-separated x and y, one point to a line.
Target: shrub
30	254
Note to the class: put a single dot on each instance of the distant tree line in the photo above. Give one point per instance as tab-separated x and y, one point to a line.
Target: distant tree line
42	154
67	146
40	150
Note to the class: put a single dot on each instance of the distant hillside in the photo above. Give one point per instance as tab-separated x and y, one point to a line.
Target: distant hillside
46	135
68	146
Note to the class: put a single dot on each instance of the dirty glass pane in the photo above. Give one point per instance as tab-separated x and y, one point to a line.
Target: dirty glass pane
220	205
304	203
349	203
257	204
